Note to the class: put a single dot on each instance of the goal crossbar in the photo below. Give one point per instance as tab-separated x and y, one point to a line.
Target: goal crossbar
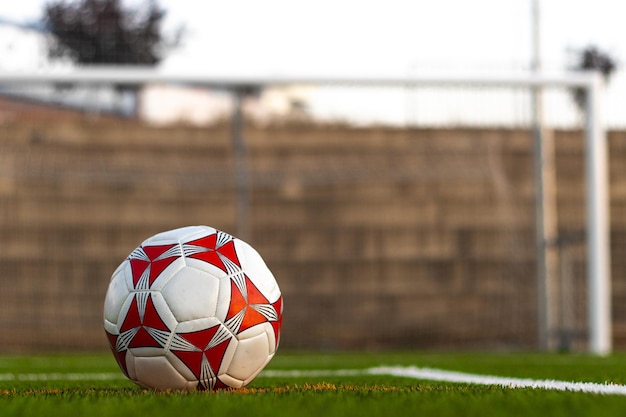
141	75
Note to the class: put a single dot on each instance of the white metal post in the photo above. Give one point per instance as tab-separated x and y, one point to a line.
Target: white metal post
598	228
546	222
242	177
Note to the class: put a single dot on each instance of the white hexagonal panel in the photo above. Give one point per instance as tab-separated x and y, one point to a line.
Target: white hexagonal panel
115	296
157	373
250	357
191	294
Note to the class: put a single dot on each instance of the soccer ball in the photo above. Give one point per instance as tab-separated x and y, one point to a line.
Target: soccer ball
193	308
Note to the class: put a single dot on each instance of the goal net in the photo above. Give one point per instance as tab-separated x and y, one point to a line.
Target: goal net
394	212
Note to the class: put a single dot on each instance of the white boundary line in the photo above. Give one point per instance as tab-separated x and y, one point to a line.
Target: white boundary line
466	378
430	374
62	377
426	374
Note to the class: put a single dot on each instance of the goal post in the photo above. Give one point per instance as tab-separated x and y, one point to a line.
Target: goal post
596	158
598	225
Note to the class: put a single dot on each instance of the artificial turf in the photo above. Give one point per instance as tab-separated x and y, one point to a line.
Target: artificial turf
52	385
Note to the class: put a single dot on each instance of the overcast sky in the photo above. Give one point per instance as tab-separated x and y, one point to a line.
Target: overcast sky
381	37
391	36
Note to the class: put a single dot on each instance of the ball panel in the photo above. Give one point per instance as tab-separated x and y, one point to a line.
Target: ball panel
216	251
145	321
201	350
272	341
119	355
230	381
197	324
147	352
157	373
223	299
180	366
277	326
248	307
111	327
250	357
257	270
128	274
151	266
117	270
178	235
124	311
268	329
116	295
191	294
191	386
129	363
254	331
207	267
167	274
258	371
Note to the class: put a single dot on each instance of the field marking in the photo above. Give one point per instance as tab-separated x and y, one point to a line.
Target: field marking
58	376
426	374
507	382
431	374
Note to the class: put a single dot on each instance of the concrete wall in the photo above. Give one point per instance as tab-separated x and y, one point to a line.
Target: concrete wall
378	237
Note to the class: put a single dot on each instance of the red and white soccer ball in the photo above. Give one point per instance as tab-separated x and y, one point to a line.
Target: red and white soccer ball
193	308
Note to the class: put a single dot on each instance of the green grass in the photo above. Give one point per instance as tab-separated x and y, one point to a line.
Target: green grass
321	396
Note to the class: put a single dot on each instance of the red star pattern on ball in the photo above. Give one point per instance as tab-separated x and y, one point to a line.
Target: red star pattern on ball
120	356
202	352
248	306
143	327
218	249
148	262
277	325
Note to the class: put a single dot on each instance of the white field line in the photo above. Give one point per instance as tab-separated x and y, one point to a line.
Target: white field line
430	374
62	377
426	374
